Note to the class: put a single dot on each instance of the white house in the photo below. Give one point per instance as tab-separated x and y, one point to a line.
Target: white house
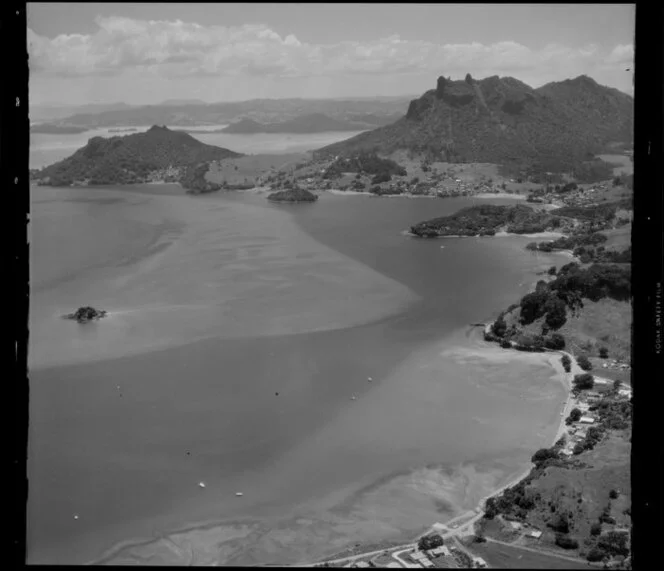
478	562
587	420
442	550
535	534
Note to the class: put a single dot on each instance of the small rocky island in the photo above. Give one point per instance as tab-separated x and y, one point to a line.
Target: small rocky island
293	195
85	314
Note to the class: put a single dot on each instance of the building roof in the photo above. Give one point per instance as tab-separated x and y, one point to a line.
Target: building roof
427	563
535	533
587	419
362	564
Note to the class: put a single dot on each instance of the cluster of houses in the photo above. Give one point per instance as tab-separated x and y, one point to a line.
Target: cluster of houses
578	430
615	365
424	558
169	174
578	197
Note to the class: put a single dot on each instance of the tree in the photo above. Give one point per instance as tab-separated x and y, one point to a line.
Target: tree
555	312
584	363
556	342
430	542
543	454
603	352
596	529
614	543
566	542
552	271
499	326
566	361
584	381
490	509
596	555
559	523
575	415
613	494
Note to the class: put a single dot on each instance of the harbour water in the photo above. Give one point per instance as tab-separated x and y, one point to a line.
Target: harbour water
238	333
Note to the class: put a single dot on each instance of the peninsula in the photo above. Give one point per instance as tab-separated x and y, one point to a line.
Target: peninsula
158	154
292	195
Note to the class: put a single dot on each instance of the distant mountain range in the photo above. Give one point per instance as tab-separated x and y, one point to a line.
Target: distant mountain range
39	113
313	123
373	112
131	158
504	121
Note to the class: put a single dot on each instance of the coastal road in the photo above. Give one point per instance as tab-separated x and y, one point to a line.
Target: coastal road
397	555
351	558
538	551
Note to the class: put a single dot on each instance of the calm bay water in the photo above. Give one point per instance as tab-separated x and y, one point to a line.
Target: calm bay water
292	309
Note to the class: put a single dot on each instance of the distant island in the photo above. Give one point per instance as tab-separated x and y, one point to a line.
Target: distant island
128	130
310	123
158	154
85	314
371	112
293	195
57	129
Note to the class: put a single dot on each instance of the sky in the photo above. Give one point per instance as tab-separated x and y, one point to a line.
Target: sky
143	54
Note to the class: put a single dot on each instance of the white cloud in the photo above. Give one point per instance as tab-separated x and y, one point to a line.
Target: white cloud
621	54
176	49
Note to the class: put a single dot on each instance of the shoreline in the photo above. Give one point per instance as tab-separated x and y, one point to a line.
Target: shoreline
552	359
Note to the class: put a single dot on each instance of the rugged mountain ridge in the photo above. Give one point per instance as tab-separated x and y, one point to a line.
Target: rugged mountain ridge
503	120
131	158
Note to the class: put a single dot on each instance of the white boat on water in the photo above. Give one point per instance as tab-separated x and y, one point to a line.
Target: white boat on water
201	484
239	494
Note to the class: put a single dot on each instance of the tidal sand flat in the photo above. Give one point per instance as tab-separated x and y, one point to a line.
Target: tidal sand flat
261	404
172	269
366	475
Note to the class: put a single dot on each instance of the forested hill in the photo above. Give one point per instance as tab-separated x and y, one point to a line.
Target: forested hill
504	121
129	159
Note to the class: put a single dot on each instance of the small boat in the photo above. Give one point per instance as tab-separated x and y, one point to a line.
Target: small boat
201	484
76	516
239	494
369	379
353	397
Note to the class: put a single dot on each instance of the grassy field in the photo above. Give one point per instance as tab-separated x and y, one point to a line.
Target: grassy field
618	238
604	323
504	557
584	492
622	164
248	168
